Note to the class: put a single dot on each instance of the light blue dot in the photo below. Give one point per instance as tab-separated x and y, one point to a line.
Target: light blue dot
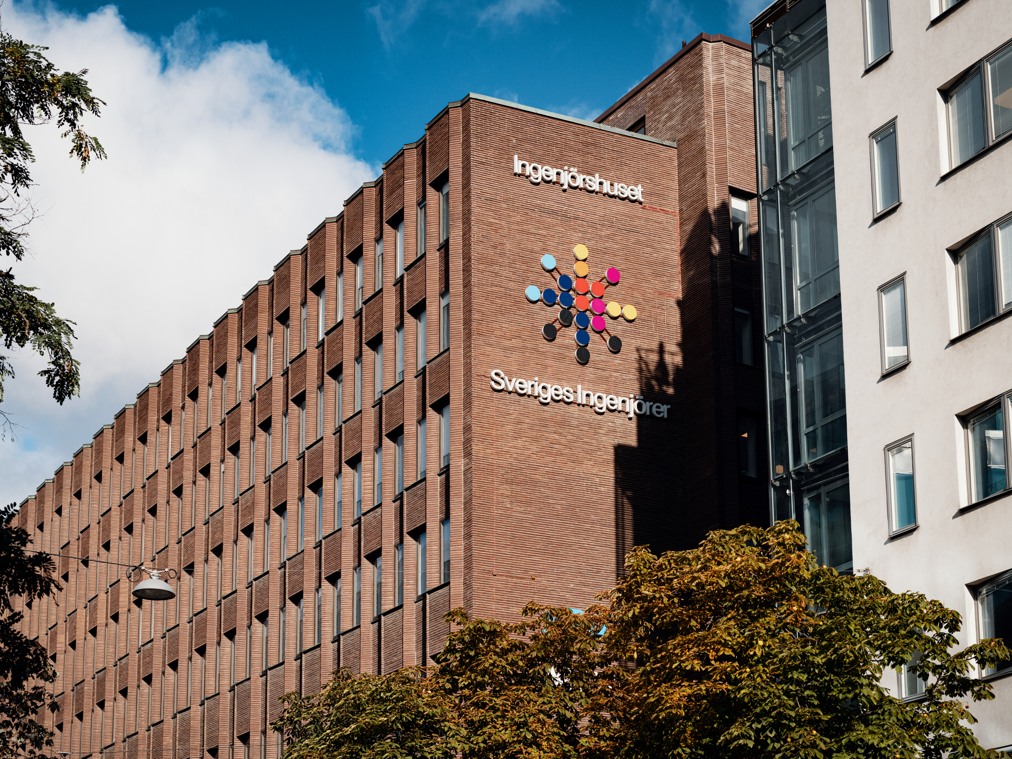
533	293
548	262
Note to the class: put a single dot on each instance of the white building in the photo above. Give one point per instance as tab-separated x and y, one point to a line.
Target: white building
901	113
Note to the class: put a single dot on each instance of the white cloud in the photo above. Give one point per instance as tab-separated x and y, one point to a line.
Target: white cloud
394	18
509	12
220	162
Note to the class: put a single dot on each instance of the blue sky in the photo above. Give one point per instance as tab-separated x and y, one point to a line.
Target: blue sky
393	64
233	129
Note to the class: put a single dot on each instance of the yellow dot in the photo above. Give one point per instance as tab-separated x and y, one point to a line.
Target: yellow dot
613	309
580	251
581	268
629	313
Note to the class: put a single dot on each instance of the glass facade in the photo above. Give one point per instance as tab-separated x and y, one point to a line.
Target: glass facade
802	321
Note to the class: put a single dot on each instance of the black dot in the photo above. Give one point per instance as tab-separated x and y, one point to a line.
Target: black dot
565	317
582	356
614	343
549	332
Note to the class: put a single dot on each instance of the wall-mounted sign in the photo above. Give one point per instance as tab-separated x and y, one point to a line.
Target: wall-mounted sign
581	303
569	178
631	405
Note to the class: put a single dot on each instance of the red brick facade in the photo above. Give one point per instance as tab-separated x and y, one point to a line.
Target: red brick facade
541	499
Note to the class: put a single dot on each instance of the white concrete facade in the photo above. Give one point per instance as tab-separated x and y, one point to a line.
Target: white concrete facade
959	541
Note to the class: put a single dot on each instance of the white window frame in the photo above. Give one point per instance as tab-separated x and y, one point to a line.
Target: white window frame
995	448
1000	261
883	160
982	593
894	458
399	249
976	83
871	55
889	354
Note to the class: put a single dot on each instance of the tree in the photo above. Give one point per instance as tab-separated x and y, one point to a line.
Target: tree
33	91
24	663
744	647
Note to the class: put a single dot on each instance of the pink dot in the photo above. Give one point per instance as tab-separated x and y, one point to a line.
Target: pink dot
597	323
597	306
612	275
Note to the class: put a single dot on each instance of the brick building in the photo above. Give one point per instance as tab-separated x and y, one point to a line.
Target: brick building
524	348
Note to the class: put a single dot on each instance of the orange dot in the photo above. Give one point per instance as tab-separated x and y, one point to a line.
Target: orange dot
582	303
581	287
581	268
597	289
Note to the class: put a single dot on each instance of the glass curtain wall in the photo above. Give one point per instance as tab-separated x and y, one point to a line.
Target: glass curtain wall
803	326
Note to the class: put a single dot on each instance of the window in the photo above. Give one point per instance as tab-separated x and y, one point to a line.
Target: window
284	436
356	597
420	357
747	435
822	403
378	270
357	263
398	353
340	297
979	107
300	542
826	518
338	398
944	5
985	432
444	212
302	327
318	617
739	227
994	614
281	633
885	171
399	464
238	392
318	497
268	440
287	344
984	269
283	519
377	586
892	300
816	260
399	249
253	369
357	488
270	355
399	574
302	424
444	321
444	551
444	436
420	448
252	459
319	411
876	31
321	313
336	590
338	501
908	680
744	343
357	394
299	618
900	468
420	229
420	564
377	464
377	372
807	95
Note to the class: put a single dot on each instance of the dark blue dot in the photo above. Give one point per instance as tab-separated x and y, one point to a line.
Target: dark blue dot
565	300
548	296
565	282
582	338
582	320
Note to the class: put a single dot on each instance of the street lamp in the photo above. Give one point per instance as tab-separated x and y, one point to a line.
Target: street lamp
153	588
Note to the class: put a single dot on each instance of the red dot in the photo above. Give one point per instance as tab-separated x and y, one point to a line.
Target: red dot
581	286
582	304
597	289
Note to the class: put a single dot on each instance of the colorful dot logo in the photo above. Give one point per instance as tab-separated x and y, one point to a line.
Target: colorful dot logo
581	303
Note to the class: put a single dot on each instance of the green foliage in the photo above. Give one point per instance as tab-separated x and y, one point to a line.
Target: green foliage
33	91
744	647
24	663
